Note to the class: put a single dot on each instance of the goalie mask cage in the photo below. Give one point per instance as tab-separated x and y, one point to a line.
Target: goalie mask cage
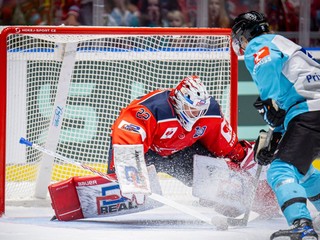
62	87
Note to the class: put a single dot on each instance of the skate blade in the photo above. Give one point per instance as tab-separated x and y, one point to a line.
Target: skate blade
289	238
282	238
309	238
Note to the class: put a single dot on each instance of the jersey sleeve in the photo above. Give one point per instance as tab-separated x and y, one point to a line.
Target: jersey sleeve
222	141
135	125
267	76
265	61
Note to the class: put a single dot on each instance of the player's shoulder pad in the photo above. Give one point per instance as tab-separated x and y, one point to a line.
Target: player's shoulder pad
159	105
214	108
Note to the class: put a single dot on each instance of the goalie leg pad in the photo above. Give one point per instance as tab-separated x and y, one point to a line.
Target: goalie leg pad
95	196
99	196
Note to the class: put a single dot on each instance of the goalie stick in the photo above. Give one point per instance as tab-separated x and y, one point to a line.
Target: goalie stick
244	221
219	221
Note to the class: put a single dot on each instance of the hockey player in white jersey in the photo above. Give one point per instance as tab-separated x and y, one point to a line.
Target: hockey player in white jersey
288	81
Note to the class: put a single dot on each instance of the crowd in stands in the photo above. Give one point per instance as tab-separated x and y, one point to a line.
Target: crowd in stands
283	14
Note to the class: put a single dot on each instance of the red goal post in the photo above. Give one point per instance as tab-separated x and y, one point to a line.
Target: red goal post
88	74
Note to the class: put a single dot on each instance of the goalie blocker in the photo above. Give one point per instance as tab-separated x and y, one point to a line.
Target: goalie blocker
95	196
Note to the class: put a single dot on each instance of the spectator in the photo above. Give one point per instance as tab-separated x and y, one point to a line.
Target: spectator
11	14
123	16
235	7
27	12
151	13
315	15
176	19
190	9
66	12
86	12
217	14
134	9
77	12
283	15
108	20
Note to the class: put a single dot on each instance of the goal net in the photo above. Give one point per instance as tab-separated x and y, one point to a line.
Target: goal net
62	88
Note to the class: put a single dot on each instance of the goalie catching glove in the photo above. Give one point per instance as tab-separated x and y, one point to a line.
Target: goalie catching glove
264	155
235	159
270	111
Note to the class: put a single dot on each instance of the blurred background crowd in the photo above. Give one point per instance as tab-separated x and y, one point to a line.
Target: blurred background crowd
289	16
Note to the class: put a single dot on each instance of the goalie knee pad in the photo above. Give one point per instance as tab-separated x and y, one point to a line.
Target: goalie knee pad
65	201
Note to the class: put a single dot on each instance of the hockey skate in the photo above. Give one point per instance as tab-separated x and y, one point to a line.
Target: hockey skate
316	223
302	229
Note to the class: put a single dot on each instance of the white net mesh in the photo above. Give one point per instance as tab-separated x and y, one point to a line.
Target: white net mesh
109	71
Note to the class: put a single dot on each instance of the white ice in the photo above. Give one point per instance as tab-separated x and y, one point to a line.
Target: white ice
164	223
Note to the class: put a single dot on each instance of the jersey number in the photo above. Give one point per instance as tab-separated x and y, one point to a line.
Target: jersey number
143	114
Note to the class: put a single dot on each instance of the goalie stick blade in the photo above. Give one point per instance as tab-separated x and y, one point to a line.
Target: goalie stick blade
243	221
220	222
237	222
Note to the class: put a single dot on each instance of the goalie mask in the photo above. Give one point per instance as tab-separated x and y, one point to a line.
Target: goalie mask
190	100
246	27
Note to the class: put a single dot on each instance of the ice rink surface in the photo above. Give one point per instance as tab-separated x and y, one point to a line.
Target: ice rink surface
164	223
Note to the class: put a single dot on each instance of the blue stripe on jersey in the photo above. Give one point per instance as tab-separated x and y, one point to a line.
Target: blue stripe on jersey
214	108
159	106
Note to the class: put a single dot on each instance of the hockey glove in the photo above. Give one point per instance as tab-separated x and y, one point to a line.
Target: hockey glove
238	155
269	110
264	155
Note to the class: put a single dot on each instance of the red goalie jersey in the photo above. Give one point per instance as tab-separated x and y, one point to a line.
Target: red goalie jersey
152	121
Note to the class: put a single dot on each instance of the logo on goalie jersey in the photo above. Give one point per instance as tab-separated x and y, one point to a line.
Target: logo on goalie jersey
169	133
227	133
199	131
132	128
